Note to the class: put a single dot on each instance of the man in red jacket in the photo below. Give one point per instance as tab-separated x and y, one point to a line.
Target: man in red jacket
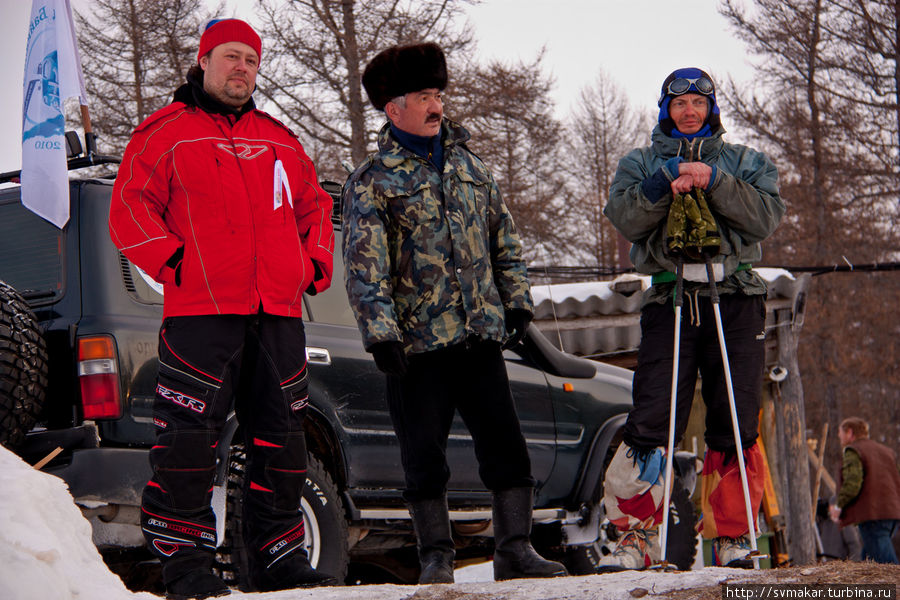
218	201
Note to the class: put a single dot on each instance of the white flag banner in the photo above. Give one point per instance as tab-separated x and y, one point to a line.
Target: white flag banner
52	74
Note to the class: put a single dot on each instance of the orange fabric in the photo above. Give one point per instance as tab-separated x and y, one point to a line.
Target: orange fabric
722	495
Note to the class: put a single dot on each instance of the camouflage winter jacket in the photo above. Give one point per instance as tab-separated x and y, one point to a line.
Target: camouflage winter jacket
431	258
743	197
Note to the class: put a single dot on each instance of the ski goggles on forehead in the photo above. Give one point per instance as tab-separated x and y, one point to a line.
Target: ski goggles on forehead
682	85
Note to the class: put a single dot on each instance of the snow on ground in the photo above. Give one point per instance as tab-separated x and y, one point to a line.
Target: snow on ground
46	553
46	550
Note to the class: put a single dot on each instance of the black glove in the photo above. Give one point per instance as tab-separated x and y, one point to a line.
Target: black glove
317	275
390	358
175	262
517	320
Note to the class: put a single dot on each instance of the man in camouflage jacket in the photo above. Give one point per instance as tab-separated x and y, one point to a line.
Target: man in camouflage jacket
435	276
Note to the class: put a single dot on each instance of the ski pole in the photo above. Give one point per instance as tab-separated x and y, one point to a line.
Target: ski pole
739	448
670	448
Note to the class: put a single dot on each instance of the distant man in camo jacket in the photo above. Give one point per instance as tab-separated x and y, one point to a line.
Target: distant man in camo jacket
435	276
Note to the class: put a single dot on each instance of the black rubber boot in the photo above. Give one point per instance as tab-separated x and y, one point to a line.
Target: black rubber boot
191	578
514	557
431	520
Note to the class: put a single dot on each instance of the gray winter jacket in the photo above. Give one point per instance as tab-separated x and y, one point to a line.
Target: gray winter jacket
743	197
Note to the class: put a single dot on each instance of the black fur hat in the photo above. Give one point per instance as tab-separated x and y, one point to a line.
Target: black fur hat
399	70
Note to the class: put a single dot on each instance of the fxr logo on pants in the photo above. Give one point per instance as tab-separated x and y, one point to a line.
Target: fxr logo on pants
182	399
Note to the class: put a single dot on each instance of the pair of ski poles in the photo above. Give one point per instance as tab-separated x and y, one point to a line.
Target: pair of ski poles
714	298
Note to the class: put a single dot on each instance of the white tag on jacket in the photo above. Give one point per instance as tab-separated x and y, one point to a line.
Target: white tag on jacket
697	272
281	186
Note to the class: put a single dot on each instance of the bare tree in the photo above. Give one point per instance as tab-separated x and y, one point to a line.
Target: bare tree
312	77
135	53
826	109
508	110
315	54
602	128
866	74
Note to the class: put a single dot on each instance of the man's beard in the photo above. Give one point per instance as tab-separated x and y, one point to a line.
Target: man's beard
236	96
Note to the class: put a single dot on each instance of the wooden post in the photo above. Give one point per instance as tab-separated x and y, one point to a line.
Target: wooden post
790	424
820	468
40	464
826	478
86	119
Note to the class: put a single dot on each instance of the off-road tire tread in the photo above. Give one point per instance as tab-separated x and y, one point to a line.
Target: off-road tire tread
23	368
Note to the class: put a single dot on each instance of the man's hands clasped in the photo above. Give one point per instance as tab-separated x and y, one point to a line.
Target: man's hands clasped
691	175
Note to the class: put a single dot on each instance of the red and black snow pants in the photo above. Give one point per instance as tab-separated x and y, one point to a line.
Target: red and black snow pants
209	365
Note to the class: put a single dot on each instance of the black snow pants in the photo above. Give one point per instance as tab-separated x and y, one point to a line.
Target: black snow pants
472	379
208	365
743	321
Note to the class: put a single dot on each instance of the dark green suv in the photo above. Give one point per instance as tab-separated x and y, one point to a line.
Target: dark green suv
81	370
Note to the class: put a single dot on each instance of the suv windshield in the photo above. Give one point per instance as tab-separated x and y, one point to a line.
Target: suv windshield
32	253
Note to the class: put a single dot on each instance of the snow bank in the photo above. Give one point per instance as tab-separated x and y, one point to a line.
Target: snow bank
45	543
46	553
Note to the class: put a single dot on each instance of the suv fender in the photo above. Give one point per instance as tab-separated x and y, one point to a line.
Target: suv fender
589	489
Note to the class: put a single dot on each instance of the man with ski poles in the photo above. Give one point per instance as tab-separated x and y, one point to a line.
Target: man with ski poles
696	209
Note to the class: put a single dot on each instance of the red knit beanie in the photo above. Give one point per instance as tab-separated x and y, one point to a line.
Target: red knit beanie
221	31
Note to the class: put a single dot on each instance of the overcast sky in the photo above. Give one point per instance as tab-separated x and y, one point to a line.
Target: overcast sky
637	43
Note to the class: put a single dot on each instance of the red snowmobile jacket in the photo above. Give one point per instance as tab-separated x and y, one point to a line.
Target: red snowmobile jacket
239	195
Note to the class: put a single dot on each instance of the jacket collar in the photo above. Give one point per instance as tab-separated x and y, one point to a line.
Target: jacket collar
703	148
392	153
193	94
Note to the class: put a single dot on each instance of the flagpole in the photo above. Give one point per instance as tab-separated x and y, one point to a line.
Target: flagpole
90	141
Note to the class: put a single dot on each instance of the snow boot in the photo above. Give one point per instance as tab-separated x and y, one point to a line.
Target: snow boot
293	571
431	521
732	552
280	562
190	577
637	550
514	556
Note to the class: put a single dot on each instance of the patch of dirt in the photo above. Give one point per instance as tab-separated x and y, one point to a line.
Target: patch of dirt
441	592
835	572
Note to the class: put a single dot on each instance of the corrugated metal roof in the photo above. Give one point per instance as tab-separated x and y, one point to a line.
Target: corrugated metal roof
602	318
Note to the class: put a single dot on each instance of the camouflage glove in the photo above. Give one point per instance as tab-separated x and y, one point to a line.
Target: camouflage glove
691	229
703	239
676	227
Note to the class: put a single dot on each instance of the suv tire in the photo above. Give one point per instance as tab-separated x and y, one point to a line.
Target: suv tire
323	511
23	367
681	543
